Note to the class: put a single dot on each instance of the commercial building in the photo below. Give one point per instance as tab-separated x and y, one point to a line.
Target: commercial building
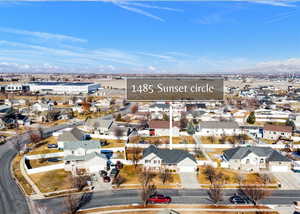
64	87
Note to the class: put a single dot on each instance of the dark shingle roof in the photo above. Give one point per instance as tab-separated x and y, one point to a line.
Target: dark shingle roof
169	156
241	152
73	135
219	125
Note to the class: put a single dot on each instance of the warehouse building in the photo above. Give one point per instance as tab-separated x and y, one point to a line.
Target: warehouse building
63	87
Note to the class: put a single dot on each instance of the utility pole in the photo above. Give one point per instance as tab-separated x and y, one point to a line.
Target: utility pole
171	126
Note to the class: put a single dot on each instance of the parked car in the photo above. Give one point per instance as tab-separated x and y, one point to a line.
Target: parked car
53	159
103	173
106	179
119	165
236	199
159	198
107	153
114	172
104	143
52	146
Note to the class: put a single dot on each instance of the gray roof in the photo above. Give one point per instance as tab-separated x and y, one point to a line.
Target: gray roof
267	152
169	156
86	157
87	145
160	105
219	124
73	135
99	123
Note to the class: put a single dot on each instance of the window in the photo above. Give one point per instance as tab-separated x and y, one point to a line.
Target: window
247	161
262	160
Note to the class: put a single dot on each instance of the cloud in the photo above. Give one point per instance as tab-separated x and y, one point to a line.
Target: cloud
42	35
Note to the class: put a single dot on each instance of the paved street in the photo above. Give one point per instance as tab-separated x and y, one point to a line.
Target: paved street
12	200
187	196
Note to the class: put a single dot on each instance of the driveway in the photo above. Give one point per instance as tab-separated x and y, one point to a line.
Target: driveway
189	180
288	180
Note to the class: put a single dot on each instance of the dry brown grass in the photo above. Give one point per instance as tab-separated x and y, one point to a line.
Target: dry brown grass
17	173
52	180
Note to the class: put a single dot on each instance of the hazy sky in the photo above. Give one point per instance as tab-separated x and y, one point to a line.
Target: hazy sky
149	36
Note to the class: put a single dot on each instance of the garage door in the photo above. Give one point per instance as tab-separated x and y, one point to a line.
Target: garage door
187	169
279	169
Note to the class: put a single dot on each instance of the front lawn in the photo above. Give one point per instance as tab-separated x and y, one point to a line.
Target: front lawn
131	175
232	177
42	147
51	181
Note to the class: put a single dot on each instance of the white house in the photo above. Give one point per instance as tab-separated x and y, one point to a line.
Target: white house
84	155
255	159
274	132
162	127
174	160
218	128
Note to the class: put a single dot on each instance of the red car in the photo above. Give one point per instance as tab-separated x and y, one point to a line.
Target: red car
159	199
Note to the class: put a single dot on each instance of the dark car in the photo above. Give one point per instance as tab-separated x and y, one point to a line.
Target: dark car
53	159
103	173
159	199
52	146
106	179
104	143
237	200
114	172
107	153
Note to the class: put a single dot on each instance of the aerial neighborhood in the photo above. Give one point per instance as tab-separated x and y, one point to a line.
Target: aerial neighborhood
85	136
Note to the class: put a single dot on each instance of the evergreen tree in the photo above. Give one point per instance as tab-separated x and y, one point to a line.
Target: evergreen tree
251	118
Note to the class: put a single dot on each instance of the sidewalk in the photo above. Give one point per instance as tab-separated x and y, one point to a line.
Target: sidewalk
28	179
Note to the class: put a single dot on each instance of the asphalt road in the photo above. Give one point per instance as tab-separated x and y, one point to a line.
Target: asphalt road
12	200
186	196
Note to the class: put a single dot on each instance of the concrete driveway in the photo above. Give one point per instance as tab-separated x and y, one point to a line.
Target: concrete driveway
288	180
189	180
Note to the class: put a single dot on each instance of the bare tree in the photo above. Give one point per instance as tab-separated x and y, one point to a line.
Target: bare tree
255	192
71	203
210	173
146	192
34	137
183	122
148	188
264	178
215	193
118	180
240	178
118	132
165	175
134	108
135	156
146	177
80	182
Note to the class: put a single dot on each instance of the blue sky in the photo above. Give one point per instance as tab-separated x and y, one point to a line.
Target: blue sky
149	36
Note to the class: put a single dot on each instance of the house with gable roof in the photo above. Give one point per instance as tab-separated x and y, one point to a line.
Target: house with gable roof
254	158
175	160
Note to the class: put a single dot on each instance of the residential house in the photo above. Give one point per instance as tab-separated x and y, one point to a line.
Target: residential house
84	155
99	126
159	107
255	159
72	135
40	107
275	132
218	128
161	128
173	160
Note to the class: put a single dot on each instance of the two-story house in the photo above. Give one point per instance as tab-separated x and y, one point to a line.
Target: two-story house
84	155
